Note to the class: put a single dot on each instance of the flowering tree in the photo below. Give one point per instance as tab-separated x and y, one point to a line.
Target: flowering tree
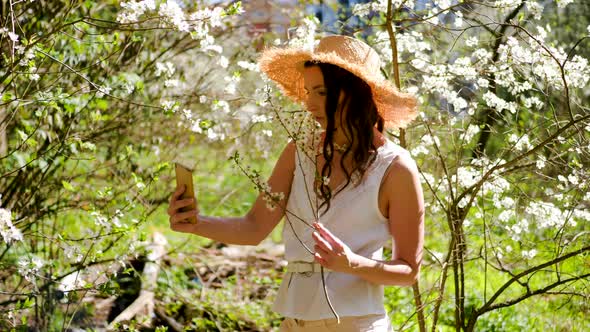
96	99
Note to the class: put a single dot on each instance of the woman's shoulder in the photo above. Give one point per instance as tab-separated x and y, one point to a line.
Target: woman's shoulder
391	150
397	160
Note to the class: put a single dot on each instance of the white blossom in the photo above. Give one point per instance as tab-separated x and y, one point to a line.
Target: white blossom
492	100
458	19
483	83
410	42
221	105
196	126
418	150
533	103
364	9
546	214
213	135
577	72
427	178
530	254
470	132
248	65
132	10
583	215
535	8
563	3
187	114
573	179
102	91
462	67
215	17
169	106
465	177
166	68
30	266
304	35
173	14
13	36
223	62
505	215
8	231
507	202
231	84
521	143
429	140
507	4
73	253
256	118
173	83
540	163
472	41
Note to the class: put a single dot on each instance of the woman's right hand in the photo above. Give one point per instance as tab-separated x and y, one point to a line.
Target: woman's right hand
179	220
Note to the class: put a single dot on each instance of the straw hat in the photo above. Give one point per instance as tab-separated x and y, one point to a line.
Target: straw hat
285	66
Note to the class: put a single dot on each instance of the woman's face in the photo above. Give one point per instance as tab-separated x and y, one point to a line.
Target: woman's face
316	97
316	94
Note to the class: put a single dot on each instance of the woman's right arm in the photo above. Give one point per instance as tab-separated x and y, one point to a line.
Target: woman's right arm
250	229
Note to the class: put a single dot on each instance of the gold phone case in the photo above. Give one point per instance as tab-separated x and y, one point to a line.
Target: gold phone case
184	176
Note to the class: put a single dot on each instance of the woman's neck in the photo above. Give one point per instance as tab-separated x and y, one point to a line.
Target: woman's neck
341	143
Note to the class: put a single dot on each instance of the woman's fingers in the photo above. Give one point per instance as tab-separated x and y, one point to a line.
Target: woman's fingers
176	195
318	258
321	242
178	217
183	203
176	205
329	237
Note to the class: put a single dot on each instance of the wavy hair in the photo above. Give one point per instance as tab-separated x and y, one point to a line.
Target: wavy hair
359	119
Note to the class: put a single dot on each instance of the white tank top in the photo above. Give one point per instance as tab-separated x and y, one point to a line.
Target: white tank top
355	218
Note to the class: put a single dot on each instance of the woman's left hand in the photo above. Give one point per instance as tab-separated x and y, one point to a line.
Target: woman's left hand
331	252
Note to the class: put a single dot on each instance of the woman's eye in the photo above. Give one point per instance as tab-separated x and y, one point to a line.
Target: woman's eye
322	93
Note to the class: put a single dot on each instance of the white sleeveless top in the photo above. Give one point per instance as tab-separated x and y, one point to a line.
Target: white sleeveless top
355	218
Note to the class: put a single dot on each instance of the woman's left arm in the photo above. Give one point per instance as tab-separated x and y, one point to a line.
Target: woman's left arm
406	224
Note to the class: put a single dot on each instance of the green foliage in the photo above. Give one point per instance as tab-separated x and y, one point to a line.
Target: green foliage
95	106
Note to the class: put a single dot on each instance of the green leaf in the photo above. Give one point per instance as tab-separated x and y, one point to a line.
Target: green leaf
67	185
102	104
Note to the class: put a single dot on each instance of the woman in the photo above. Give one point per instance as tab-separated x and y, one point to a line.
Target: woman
362	188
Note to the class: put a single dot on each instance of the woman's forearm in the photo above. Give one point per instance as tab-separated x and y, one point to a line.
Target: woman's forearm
395	272
233	230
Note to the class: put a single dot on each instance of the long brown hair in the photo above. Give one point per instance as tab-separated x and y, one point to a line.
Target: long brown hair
359	120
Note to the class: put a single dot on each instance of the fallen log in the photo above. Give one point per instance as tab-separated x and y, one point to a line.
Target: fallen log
142	309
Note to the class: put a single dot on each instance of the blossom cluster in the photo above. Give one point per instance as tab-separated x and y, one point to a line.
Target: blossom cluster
8	231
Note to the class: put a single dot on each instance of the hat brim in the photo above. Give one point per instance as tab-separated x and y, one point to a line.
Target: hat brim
285	67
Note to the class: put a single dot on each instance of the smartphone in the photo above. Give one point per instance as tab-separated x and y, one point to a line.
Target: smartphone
184	176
